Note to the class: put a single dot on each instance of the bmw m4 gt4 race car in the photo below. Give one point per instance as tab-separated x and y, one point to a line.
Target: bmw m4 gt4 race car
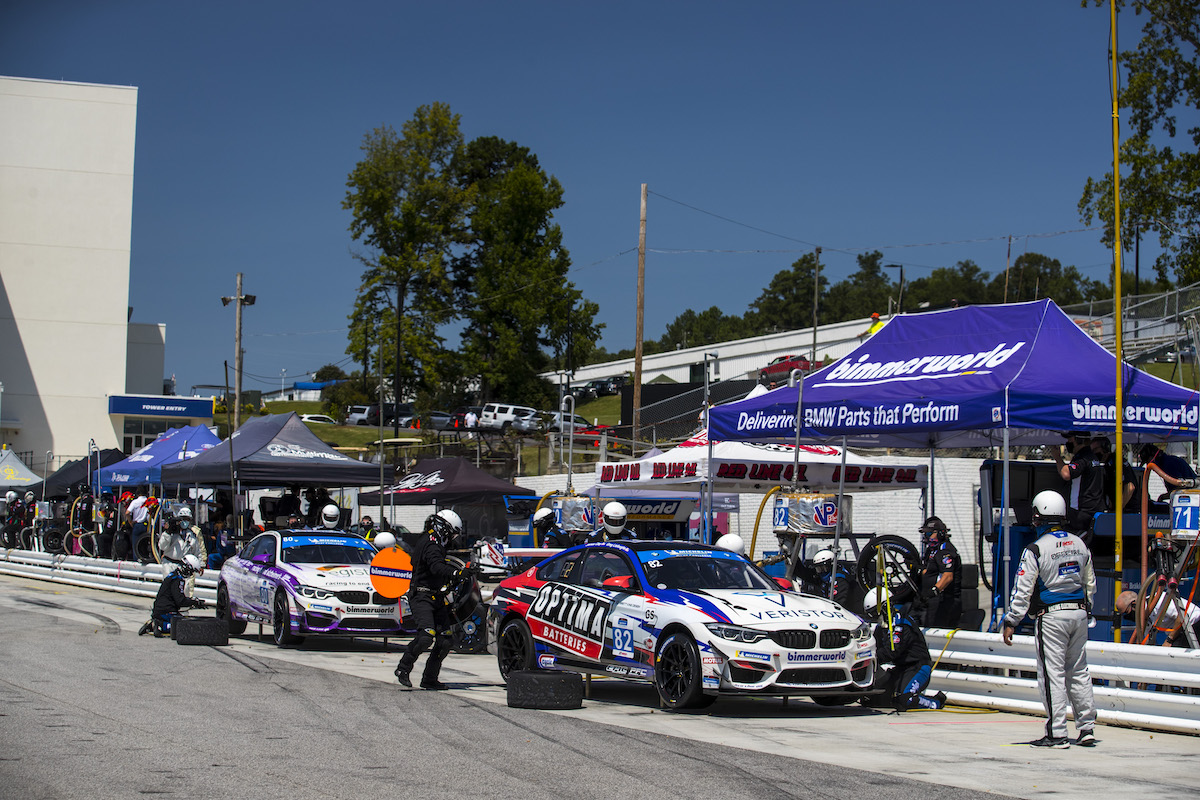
305	582
695	620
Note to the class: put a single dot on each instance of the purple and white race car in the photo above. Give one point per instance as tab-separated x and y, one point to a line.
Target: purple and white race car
305	582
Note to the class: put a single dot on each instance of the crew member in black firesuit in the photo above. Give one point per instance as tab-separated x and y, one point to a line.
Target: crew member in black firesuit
834	581
14	519
431	574
172	598
942	582
901	644
1086	475
548	532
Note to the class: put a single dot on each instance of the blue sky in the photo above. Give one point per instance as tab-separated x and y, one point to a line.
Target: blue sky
931	131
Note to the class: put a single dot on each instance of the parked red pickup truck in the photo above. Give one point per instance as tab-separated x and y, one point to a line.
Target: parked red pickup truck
780	368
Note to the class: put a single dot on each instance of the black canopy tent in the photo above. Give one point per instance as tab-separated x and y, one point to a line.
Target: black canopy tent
75	472
444	481
275	450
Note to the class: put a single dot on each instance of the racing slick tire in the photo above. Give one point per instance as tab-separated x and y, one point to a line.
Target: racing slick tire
281	621
236	627
545	689
514	650
200	630
677	673
829	700
902	566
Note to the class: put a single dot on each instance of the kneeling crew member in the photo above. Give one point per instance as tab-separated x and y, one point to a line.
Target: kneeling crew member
171	598
902	645
431	572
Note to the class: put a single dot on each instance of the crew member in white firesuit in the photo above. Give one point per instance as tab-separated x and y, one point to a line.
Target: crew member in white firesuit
181	539
171	598
1055	584
613	527
900	644
432	575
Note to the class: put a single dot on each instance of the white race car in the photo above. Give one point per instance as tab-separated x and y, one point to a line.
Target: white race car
305	582
695	620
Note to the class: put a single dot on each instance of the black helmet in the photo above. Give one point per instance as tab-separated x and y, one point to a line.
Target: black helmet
445	525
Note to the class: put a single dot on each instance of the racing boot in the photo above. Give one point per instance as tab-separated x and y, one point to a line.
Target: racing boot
149	626
160	631
402	673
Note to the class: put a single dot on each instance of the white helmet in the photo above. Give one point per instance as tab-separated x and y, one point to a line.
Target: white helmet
614	518
331	515
733	543
543	519
1049	505
184	513
384	540
10	497
190	566
29	497
445	525
823	560
874	600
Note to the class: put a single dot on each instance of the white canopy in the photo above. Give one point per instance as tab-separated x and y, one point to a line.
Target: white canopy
756	467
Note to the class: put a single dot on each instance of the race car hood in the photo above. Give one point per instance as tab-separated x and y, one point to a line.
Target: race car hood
763	608
334	577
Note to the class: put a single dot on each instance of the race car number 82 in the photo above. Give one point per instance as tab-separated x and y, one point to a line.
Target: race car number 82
623	642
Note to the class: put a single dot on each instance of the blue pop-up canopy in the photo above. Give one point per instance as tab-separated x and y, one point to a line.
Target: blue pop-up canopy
959	378
145	466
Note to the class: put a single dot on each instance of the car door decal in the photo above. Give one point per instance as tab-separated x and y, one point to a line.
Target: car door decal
570	617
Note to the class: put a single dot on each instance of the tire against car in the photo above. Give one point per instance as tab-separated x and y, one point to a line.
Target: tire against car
545	689
902	566
235	627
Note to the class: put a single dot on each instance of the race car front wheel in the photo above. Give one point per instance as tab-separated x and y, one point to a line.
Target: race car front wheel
281	621
677	673
514	651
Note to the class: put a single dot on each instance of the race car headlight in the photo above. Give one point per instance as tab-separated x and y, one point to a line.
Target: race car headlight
862	632
313	593
735	633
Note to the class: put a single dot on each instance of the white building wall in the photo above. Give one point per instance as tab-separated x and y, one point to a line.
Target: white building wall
66	204
145	360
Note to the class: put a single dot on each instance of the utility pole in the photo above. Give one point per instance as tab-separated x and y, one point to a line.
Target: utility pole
241	300
641	304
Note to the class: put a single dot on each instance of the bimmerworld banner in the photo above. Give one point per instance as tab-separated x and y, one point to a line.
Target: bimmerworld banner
961	376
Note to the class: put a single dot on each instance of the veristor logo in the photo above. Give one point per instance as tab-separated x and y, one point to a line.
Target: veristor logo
864	370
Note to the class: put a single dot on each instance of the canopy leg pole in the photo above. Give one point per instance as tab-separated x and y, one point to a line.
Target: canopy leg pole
1006	531
930	499
837	528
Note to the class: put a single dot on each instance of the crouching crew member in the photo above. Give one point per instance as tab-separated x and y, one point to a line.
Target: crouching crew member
431	573
171	598
902	645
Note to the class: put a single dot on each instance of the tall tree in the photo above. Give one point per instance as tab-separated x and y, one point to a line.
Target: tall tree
1160	164
964	284
787	302
864	292
523	315
1034	276
409	212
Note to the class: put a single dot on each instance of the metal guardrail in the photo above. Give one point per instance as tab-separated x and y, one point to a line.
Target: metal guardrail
127	577
1142	686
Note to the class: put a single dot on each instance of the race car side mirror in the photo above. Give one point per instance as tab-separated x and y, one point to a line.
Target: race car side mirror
262	558
619	583
784	584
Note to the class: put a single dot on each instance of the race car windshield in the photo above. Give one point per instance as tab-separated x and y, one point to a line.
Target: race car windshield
327	554
688	573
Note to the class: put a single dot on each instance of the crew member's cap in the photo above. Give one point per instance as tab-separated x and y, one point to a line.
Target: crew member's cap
933	525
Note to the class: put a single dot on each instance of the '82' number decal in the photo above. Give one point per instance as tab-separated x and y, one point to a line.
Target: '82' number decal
622	642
